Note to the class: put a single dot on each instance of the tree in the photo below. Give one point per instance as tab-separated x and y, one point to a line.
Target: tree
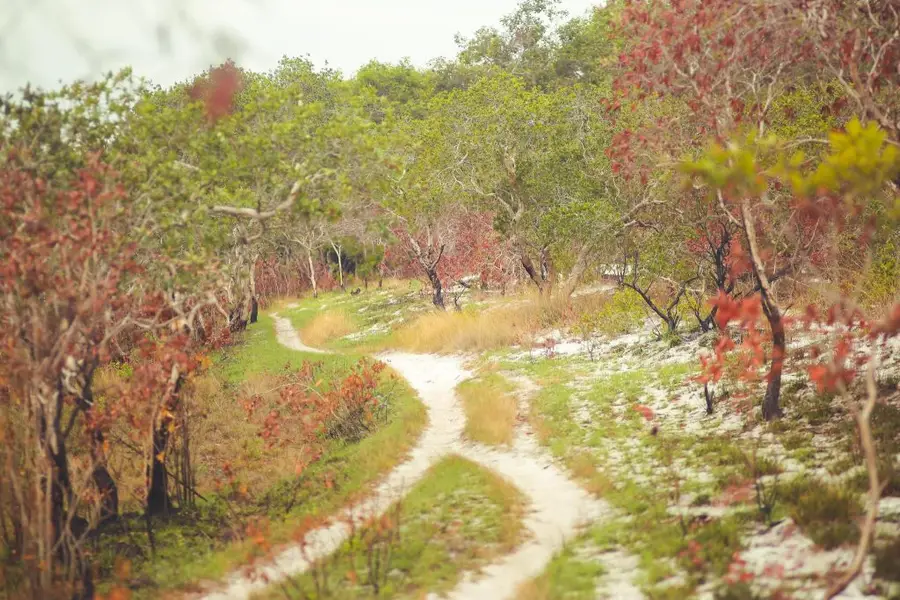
524	47
519	153
786	211
727	62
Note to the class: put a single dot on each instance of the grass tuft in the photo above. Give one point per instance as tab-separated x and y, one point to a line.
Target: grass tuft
491	409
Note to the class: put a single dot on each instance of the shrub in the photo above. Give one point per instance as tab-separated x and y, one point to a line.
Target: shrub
623	313
826	513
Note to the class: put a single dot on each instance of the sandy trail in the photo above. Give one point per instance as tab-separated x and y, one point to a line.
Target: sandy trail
558	505
288	337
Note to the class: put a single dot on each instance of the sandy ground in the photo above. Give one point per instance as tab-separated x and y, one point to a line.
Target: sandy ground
558	505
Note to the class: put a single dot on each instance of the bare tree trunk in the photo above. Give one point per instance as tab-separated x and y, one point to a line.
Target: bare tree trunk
158	501
254	303
312	274
437	296
541	277
578	269
337	252
187	471
103	481
771	408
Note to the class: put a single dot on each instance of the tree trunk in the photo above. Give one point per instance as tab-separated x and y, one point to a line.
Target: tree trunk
578	269
158	501
312	274
533	273
103	481
707	323
437	297
771	408
543	275
337	252
254	304
254	309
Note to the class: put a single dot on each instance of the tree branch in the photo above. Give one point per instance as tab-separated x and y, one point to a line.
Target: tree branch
253	213
863	421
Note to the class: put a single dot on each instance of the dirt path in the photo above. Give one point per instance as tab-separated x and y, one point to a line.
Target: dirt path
558	505
288	337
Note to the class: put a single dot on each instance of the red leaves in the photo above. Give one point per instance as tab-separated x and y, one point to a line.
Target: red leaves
747	311
738	260
307	409
736	493
737	571
217	90
645	411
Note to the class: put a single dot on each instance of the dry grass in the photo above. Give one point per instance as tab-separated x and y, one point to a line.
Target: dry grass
536	589
513	321
223	434
491	409
327	326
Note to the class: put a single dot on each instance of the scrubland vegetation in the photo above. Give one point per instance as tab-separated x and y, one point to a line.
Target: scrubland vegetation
664	235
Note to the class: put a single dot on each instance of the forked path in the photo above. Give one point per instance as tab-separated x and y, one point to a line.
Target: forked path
558	505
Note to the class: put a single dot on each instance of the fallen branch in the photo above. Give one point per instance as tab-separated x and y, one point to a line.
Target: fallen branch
863	422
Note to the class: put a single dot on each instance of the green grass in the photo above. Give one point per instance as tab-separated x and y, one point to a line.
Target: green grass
826	513
700	549
569	576
370	311
206	542
457	519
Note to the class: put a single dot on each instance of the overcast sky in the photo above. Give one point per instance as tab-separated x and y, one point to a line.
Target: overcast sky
45	41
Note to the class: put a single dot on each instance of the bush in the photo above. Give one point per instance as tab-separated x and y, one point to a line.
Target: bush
623	313
826	513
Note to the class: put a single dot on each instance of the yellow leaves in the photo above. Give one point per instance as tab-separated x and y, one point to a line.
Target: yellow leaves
858	163
203	361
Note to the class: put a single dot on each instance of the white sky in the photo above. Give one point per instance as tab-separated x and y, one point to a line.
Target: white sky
45	41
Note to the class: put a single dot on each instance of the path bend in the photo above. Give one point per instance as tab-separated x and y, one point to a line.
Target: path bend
558	505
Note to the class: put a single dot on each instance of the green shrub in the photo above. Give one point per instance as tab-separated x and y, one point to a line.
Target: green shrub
623	313
887	560
826	513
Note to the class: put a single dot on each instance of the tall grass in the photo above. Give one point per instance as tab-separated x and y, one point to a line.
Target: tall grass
327	327
517	321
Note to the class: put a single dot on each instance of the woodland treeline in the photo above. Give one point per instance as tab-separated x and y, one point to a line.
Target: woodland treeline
727	161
